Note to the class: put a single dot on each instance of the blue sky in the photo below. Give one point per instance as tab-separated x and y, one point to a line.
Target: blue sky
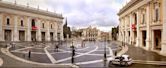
82	13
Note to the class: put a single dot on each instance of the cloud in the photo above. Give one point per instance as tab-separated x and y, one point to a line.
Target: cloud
83	13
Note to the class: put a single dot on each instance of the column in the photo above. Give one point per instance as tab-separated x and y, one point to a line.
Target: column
38	22
15	32
1	30
55	32
138	29
163	47
28	31
148	27
126	37
48	31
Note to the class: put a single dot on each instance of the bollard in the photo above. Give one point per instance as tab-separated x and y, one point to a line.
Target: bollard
29	54
73	54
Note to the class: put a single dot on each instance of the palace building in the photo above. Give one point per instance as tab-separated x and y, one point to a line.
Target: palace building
143	24
24	23
91	34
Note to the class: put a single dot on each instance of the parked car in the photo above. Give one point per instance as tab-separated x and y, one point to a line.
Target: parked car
123	60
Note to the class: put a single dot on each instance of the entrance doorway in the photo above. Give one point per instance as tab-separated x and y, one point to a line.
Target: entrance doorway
8	35
22	35
135	37
58	36
51	36
43	36
33	37
144	38
157	39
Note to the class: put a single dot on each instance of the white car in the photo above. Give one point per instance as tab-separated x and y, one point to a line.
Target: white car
123	60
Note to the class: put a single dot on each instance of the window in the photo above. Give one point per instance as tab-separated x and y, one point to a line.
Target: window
43	25
143	18
33	22
22	24
157	14
135	17
156	11
51	26
8	21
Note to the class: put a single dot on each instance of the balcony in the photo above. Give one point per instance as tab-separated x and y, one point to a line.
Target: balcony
34	28
134	27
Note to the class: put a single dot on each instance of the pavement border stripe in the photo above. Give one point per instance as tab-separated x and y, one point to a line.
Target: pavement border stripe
89	62
6	52
22	49
83	48
52	59
111	52
78	55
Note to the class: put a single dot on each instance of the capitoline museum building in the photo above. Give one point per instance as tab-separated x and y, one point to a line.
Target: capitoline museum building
143	24
24	23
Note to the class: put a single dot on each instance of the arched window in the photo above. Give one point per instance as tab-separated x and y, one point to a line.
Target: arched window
8	21
135	18
143	18
43	25
51	26
22	23
157	14
156	11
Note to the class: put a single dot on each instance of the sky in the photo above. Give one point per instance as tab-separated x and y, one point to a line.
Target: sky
82	13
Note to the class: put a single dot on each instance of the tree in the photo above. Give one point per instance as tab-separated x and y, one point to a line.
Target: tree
66	30
115	31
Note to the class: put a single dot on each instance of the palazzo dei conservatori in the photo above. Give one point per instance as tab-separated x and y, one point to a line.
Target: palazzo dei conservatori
143	24
24	23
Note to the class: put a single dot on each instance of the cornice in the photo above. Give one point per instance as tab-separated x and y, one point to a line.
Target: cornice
128	5
29	9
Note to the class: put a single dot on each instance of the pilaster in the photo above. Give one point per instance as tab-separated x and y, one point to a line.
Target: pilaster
1	30
15	32
163	47
62	38
28	31
55	32
48	32
38	30
131	32
148	39
138	29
